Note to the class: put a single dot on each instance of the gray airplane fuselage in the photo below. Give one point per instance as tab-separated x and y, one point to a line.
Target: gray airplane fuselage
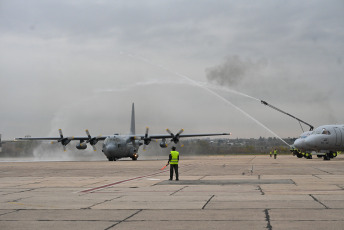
323	138
120	146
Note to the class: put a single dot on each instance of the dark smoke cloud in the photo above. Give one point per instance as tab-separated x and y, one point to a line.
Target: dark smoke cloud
234	70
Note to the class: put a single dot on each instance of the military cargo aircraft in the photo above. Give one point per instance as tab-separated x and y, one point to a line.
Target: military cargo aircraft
120	146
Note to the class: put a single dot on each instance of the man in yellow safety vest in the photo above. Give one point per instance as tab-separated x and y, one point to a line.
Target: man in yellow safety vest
275	153
173	161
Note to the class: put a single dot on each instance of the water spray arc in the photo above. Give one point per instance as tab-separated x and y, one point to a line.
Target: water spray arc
204	87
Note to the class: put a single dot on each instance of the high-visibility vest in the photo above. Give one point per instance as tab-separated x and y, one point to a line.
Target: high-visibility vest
275	152
174	156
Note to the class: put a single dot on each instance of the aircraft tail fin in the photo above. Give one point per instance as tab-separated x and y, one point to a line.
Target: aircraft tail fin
132	125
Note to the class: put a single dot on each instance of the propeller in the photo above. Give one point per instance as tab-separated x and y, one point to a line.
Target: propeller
175	138
92	140
63	140
146	139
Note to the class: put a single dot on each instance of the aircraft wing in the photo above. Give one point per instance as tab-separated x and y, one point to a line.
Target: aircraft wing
56	138
65	140
161	136
174	137
7	141
37	138
61	138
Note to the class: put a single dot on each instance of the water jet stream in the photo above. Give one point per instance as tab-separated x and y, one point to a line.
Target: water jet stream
204	87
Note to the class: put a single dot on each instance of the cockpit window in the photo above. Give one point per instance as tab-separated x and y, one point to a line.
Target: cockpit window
325	131
305	134
317	131
109	139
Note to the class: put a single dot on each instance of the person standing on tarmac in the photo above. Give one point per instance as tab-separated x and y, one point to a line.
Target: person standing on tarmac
173	161
275	153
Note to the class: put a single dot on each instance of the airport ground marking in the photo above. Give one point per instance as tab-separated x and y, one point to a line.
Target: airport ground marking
123	181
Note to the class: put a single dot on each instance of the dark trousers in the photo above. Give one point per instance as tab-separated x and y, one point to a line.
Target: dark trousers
175	168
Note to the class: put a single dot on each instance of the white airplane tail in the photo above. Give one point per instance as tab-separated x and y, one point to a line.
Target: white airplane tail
132	125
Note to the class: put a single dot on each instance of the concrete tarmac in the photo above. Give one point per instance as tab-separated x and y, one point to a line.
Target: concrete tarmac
218	192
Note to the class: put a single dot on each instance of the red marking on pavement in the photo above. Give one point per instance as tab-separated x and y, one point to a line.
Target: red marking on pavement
120	182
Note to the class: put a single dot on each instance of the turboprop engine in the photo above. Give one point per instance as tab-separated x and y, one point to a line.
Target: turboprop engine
163	143
81	146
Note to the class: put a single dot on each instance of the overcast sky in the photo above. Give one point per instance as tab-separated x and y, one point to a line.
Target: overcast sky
80	64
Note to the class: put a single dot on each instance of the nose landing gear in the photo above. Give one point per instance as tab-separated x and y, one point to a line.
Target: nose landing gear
134	157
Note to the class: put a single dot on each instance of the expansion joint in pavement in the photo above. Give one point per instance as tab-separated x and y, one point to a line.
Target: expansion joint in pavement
178	190
90	207
21	191
341	187
208	201
9	212
124	219
315	199
267	218
323	171
261	190
316	176
203	177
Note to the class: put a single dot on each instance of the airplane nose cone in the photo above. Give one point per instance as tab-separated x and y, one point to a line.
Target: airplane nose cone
298	144
308	142
109	149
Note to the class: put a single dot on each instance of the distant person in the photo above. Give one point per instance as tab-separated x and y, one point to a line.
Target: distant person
173	161
275	153
270	153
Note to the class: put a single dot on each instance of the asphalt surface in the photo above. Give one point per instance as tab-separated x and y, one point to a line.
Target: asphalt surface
220	192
